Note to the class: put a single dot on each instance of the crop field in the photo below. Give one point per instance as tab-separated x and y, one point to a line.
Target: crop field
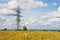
29	35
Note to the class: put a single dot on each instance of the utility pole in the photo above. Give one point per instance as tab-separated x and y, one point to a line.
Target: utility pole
18	13
18	17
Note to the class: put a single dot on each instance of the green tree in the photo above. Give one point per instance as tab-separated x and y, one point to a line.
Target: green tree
24	28
5	29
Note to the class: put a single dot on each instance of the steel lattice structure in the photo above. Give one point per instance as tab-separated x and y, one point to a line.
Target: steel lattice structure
18	20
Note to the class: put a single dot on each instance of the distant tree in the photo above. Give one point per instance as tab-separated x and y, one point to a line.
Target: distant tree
58	30
5	29
24	28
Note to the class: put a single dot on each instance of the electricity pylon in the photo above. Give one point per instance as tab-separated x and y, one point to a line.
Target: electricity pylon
18	20
18	15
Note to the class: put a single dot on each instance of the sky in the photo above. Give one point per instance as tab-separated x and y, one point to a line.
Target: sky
37	14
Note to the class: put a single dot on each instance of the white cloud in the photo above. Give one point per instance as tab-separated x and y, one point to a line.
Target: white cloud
50	20
3	5
54	3
6	8
12	4
6	11
29	21
58	9
9	22
41	4
24	4
32	4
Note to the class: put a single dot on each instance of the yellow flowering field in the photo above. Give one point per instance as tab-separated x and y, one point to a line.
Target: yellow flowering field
29	35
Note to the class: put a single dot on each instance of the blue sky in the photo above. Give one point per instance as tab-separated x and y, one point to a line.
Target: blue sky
37	14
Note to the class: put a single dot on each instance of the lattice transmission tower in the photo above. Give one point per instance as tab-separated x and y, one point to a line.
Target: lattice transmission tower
18	14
